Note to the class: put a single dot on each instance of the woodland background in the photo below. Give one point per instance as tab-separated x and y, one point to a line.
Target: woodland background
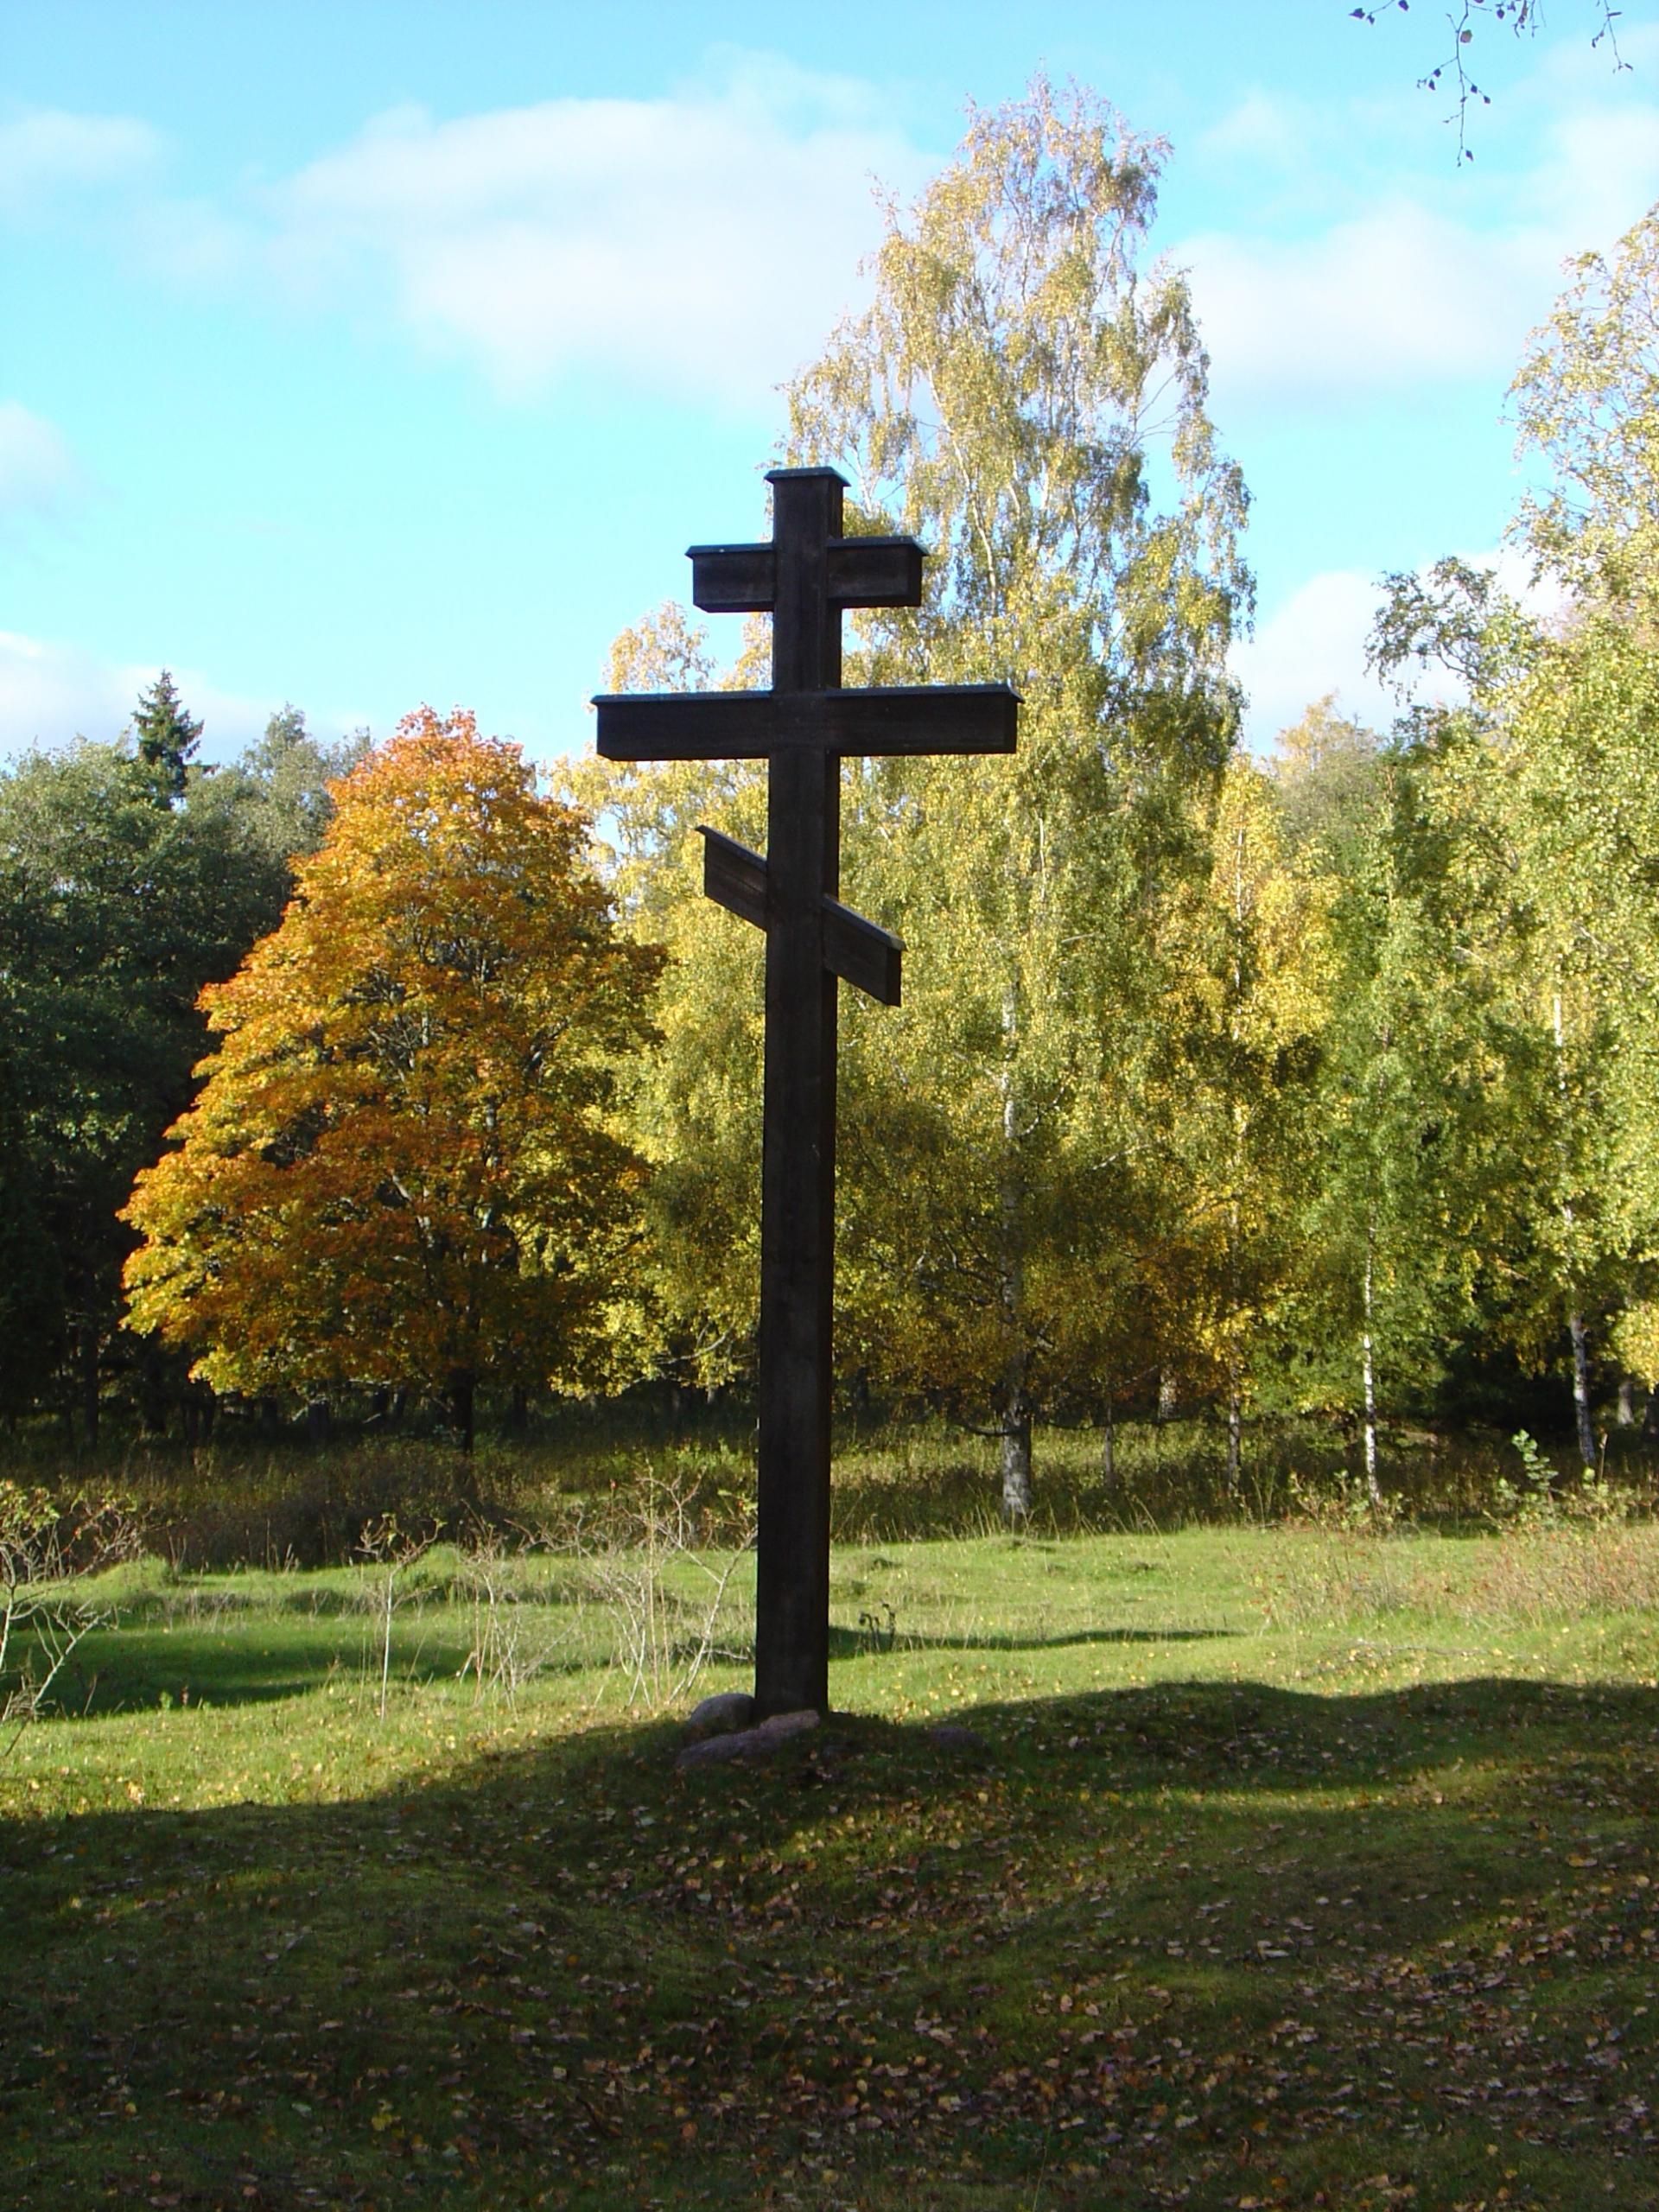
1322	1086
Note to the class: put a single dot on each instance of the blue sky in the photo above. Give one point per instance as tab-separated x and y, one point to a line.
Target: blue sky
359	354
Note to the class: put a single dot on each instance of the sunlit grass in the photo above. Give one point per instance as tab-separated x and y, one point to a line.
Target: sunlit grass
1284	1861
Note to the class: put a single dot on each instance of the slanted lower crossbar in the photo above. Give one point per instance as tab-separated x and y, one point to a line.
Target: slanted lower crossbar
861	953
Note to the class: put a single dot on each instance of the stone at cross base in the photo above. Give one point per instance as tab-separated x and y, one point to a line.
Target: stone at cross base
805	576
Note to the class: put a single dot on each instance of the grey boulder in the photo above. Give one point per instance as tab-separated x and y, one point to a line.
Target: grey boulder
745	1743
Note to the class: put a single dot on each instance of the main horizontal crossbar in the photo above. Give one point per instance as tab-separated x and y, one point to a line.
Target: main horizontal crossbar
886	720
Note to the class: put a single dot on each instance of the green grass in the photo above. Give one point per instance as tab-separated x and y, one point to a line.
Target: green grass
1295	1868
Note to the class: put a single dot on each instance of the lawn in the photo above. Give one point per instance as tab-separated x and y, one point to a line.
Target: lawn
1284	1867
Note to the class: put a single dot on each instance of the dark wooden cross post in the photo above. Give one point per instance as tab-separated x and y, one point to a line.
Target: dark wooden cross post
803	578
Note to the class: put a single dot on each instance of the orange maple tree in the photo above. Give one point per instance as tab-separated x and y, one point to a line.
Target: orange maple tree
405	1165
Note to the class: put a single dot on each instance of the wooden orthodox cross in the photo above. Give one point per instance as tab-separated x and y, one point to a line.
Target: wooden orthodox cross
802	728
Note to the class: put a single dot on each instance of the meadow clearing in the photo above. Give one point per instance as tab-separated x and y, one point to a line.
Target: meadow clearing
1300	1861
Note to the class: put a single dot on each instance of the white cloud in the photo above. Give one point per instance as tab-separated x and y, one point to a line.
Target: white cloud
50	152
1398	296
189	242
1409	285
1602	173
1314	642
692	243
695	244
37	469
1262	130
51	692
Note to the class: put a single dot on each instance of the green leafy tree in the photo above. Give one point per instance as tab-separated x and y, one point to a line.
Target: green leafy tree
1408	1235
695	1109
1327	777
1247	969
1587	404
1543	792
32	1318
114	911
280	787
1565	786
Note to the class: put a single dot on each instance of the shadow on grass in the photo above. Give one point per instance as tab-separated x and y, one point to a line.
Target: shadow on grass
135	1668
224	1659
863	1644
555	1966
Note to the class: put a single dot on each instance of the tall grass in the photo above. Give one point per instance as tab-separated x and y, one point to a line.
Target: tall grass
243	1500
1591	1558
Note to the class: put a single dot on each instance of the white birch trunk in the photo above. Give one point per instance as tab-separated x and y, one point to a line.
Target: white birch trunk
1575	1328
1367	1365
1577	1332
1241	1117
1016	1401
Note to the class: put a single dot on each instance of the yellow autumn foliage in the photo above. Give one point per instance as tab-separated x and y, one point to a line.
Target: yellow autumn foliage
405	1165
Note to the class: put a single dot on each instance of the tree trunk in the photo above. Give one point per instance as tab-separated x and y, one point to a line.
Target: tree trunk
1575	1328
87	1378
1016	1401
1235	1431
316	1421
1016	1453
1373	1489
1167	1399
1626	1413
860	1395
1581	1391
1109	1447
462	1392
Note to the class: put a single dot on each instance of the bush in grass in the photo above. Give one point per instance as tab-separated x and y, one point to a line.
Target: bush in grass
49	1559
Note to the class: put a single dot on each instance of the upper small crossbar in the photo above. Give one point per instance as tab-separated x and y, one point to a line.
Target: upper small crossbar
858	572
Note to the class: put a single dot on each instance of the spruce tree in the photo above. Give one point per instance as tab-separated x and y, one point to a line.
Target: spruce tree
167	737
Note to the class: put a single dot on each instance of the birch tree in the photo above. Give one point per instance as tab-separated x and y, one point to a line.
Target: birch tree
1545	792
1407	1236
1026	392
1250	986
1586	400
